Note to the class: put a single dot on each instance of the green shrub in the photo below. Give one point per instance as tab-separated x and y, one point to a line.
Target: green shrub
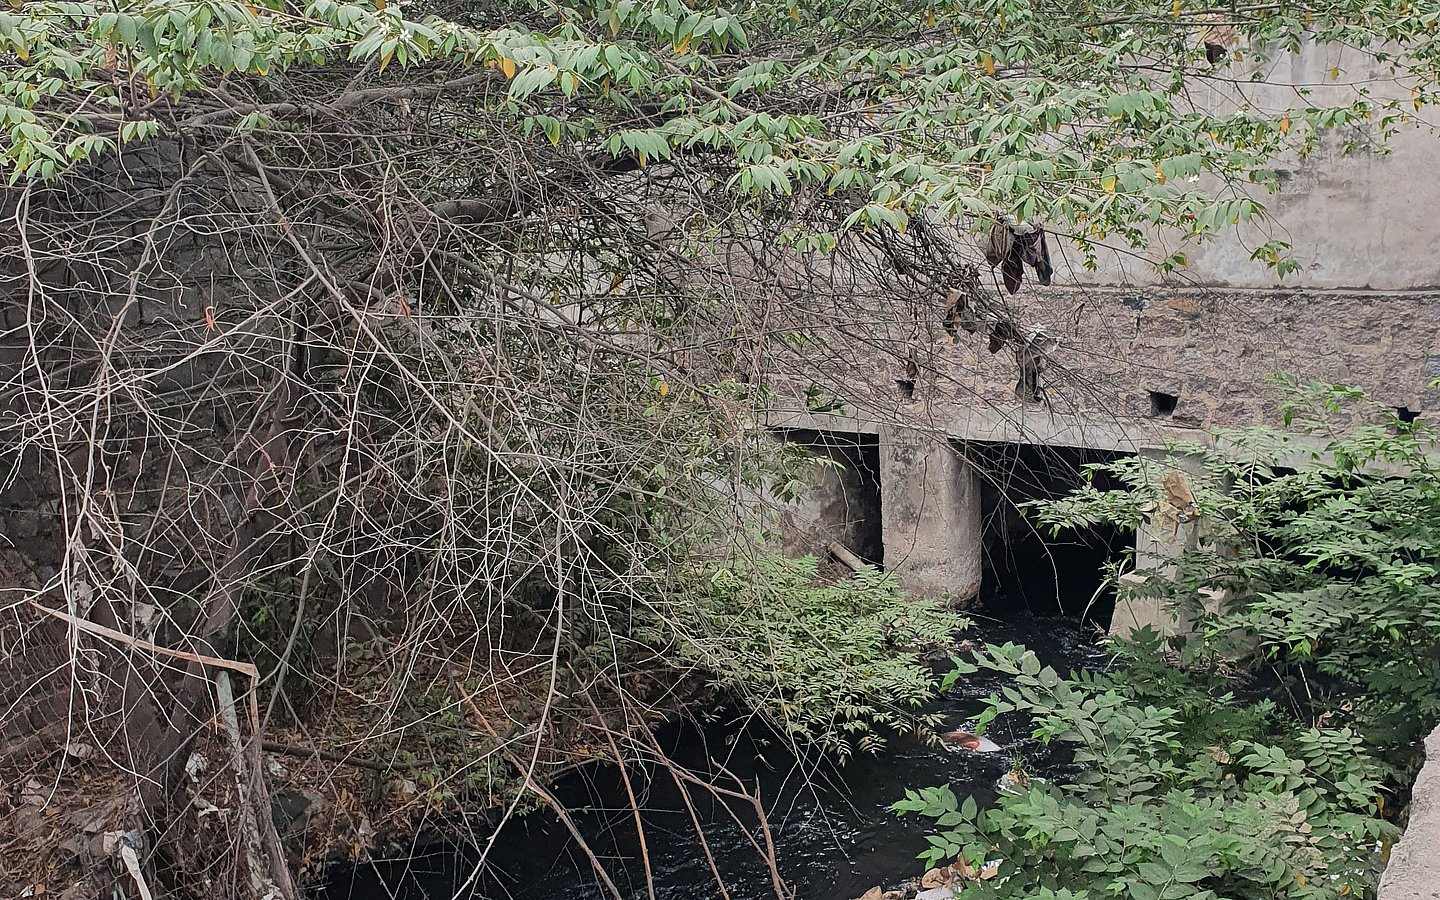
1155	816
1250	757
830	663
1329	571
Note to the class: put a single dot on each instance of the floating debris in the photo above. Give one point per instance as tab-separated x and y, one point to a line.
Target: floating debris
964	740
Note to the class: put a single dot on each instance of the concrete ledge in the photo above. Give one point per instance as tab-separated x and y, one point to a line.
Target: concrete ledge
1414	870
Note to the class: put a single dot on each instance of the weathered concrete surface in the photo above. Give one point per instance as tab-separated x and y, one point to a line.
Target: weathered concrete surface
930	501
1354	219
842	500
1414	870
1216	350
1157	543
1133	613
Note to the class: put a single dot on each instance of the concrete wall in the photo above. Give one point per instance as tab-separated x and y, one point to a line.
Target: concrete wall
1214	349
1355	220
1363	310
1157	543
1414	869
841	503
917	513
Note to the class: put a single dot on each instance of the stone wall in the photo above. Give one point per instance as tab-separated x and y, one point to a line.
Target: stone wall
1212	350
1414	869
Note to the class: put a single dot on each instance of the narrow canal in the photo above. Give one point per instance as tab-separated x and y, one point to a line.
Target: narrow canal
835	836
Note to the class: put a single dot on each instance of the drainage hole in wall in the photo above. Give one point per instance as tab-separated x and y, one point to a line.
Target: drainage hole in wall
1162	404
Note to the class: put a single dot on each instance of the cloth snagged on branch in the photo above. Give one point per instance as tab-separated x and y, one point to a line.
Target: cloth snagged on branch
963	303
1012	247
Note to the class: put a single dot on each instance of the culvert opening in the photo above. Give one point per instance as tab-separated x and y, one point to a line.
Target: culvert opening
1027	572
843	503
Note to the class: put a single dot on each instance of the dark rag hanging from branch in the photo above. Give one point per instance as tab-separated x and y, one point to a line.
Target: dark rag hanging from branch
1001	334
1217	36
963	303
1011	247
1033	251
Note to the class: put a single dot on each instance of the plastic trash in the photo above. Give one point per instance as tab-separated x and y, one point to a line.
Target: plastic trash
965	741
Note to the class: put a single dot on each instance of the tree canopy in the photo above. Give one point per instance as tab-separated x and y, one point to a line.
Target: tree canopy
1064	112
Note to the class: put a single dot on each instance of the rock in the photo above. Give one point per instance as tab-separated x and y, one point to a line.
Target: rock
1414	869
874	893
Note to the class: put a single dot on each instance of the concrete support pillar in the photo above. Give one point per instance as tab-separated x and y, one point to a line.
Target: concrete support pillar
930	514
1157	543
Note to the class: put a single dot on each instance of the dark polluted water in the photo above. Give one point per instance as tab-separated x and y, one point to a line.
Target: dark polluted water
835	836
